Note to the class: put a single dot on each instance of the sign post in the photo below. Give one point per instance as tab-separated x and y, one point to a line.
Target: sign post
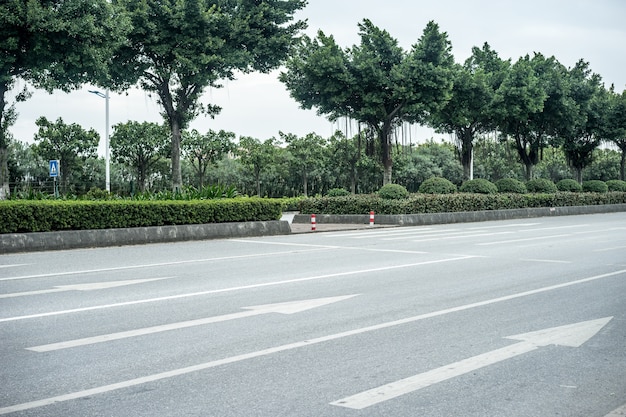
54	173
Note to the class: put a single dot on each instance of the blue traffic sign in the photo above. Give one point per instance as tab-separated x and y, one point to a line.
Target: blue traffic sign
54	168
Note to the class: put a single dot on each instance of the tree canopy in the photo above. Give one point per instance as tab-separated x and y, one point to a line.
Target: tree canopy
376	83
53	44
178	48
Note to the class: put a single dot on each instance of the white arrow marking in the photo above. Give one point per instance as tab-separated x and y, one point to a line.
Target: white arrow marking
291	307
81	287
572	335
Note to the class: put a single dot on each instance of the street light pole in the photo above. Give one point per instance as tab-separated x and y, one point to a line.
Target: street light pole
107	161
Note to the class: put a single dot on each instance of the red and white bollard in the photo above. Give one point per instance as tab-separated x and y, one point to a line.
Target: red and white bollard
371	218
313	222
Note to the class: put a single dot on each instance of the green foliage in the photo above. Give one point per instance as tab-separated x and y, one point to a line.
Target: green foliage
541	185
616	185
43	216
96	193
189	193
569	184
337	192
511	185
479	186
140	147
366	81
393	192
448	203
595	186
177	49
437	185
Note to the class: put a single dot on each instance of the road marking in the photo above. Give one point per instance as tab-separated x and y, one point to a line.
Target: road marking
13	266
154	265
357	248
291	307
460	236
620	412
521	240
81	287
243	287
550	261
610	249
290	346
287	347
572	335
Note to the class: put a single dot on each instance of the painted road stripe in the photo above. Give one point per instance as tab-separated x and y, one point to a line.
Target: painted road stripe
571	335
243	287
82	287
291	307
619	412
521	240
154	265
290	346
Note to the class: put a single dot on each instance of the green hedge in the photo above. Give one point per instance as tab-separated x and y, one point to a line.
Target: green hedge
442	203
42	216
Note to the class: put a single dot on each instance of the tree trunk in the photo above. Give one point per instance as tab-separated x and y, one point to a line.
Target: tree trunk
177	178
305	184
622	165
385	141
4	172
465	138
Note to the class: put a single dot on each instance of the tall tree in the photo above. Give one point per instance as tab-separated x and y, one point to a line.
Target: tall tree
70	144
615	130
203	151
519	98
178	48
257	157
376	83
307	153
470	109
589	117
139	146
53	44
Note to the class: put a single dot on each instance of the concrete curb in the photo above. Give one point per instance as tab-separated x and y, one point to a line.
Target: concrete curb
74	239
460	217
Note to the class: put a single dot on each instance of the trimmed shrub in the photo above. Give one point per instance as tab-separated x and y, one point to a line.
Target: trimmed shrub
511	185
393	192
541	185
595	186
437	185
569	184
479	186
616	185
337	192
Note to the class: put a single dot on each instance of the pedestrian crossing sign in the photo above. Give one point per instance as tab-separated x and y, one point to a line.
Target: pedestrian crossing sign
54	168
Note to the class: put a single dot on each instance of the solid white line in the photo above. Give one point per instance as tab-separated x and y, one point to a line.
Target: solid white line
13	266
160	264
416	382
619	412
521	240
551	261
357	248
610	249
460	236
142	332
231	289
290	346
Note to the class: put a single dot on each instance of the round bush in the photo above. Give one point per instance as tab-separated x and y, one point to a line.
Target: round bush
337	192
595	186
616	185
393	192
511	185
479	186
437	185
569	184
541	185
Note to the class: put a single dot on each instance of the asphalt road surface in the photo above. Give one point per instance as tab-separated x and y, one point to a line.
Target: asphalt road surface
510	318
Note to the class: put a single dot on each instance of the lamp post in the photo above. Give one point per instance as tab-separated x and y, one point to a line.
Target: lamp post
107	161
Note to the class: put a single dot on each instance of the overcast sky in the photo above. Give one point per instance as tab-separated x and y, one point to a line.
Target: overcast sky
258	105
